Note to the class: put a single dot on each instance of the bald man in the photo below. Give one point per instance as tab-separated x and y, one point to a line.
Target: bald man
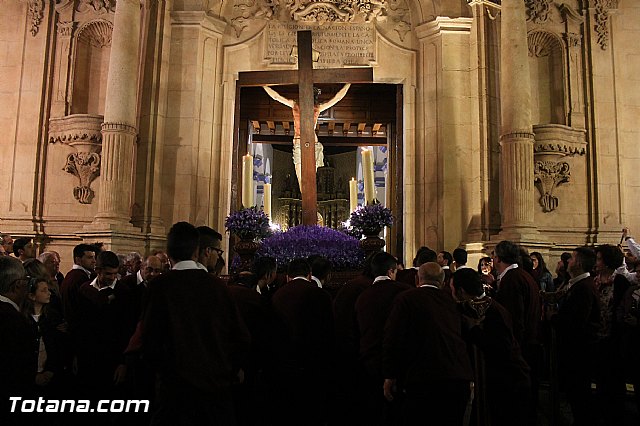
138	283
424	354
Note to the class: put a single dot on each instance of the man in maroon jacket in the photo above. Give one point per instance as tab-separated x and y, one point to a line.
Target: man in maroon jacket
83	270
578	323
425	355
195	338
372	309
305	346
519	294
106	321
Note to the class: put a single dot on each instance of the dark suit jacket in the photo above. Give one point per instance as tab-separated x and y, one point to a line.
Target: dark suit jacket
105	323
372	309
423	339
578	319
344	312
305	313
518	293
138	292
193	332
17	358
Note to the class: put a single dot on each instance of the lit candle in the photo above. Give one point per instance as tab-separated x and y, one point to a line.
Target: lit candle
367	172
267	199
247	181
353	194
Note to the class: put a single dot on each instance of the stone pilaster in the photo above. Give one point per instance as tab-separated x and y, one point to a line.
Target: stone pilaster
516	134
119	128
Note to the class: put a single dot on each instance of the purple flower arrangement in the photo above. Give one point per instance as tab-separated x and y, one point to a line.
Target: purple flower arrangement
248	224
370	219
303	241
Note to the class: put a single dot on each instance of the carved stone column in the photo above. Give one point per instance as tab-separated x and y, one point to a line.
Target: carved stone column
516	134
118	130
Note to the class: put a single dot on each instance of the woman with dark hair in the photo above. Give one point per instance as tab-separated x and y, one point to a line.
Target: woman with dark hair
540	272
45	342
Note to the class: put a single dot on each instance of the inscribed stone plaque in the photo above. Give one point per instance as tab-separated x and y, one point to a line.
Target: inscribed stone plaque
338	44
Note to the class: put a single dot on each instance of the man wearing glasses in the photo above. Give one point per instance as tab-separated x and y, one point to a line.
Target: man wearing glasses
209	251
16	355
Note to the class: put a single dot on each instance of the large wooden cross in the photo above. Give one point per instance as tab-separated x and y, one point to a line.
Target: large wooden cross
304	77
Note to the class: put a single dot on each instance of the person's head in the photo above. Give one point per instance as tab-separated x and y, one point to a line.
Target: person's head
467	284
123	270
430	273
151	268
23	249
166	265
563	263
538	261
133	261
3	252
525	261
85	255
265	270
107	265
321	267
485	265
38	295
7	243
182	242
608	258
583	259
210	247
460	257
424	255
13	281
505	254
444	258
36	269
51	262
298	268
384	264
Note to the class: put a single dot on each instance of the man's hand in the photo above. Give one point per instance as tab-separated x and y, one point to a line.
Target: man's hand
389	388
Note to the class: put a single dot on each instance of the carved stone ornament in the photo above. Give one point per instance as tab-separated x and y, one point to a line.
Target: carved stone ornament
538	10
548	175
97	33
83	133
542	43
86	167
308	11
36	13
100	6
557	140
602	21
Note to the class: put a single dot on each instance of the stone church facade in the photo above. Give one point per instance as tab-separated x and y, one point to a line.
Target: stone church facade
519	120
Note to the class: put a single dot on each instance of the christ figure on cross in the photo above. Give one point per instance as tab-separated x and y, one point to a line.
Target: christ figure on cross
317	109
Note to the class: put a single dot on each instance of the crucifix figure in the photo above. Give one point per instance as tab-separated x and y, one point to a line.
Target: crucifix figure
304	77
317	109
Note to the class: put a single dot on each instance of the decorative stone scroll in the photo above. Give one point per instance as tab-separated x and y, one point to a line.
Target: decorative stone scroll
83	133
548	175
602	21
538	10
542	43
338	44
36	13
97	33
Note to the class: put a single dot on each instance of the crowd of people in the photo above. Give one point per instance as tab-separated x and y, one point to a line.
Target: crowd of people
437	343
